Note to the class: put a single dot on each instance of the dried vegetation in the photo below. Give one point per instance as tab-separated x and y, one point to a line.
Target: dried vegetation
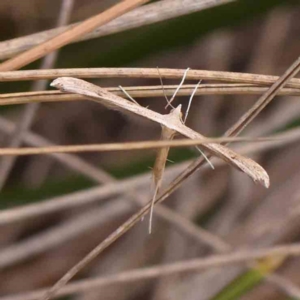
217	235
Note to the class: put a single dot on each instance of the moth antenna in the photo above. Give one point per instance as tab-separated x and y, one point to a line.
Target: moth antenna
163	88
124	91
179	86
186	115
190	101
171	161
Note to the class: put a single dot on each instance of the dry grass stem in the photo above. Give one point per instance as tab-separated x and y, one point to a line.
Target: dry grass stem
160	144
29	112
97	175
97	194
71	161
47	240
70	35
194	232
62	233
75	199
165	73
143	91
148	14
265	99
44	241
212	261
293	134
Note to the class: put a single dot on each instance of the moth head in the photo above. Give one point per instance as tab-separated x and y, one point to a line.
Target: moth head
65	84
74	85
56	83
